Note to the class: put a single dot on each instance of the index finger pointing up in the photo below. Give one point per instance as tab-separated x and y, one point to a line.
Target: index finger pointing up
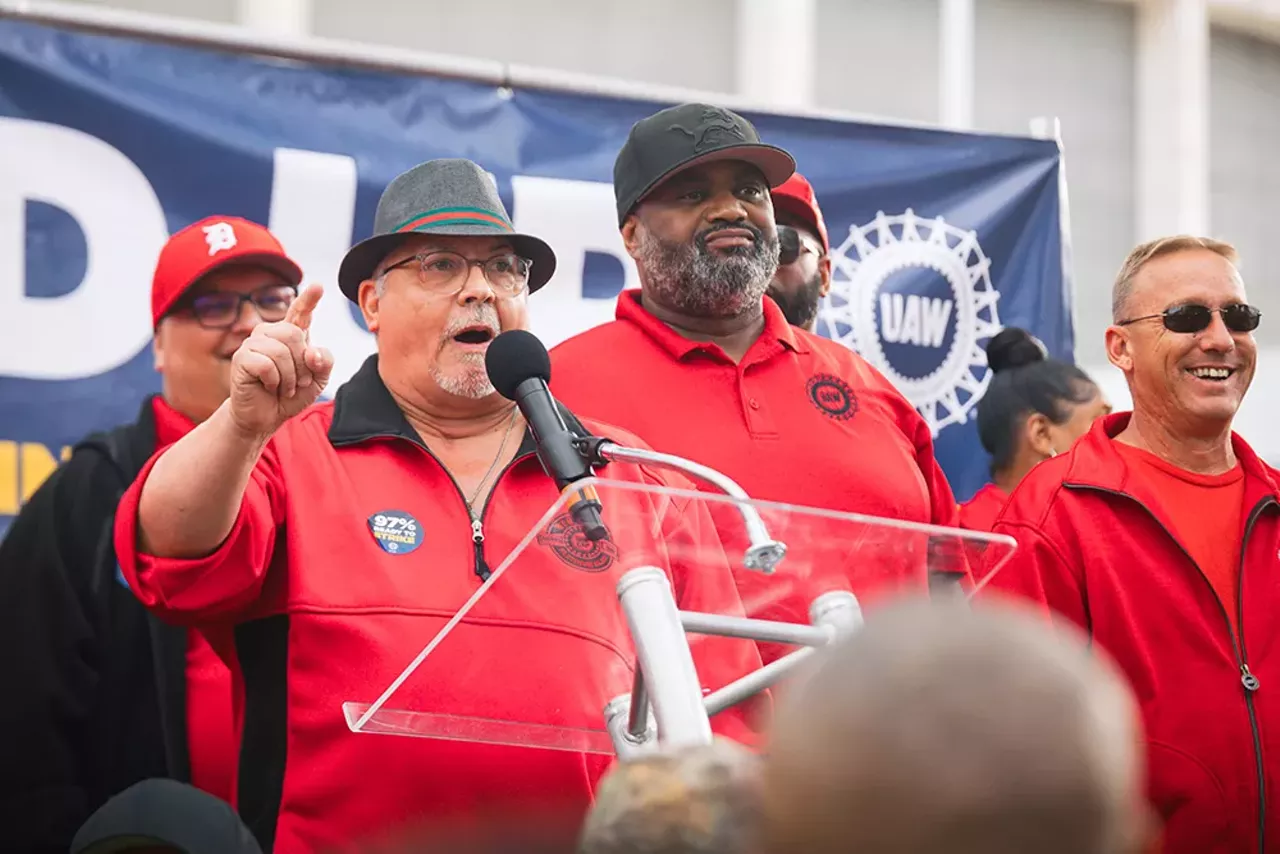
299	313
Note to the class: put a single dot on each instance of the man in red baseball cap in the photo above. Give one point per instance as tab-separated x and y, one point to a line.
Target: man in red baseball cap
105	695
804	267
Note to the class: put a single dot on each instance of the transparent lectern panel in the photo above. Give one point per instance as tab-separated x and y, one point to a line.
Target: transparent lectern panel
705	591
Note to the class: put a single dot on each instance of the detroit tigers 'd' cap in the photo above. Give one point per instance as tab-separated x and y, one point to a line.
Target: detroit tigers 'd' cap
204	246
688	135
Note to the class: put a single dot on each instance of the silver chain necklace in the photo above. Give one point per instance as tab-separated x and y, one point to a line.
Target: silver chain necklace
510	424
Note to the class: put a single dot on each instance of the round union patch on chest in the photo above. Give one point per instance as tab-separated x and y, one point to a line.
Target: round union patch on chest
832	396
568	541
395	531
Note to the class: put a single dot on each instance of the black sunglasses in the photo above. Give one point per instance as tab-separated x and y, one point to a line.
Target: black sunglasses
1191	318
790	245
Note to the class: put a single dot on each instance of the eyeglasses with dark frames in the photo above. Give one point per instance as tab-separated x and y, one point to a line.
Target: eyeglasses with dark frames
221	309
1191	318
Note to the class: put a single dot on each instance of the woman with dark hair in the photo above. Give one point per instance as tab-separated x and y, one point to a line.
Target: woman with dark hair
1035	408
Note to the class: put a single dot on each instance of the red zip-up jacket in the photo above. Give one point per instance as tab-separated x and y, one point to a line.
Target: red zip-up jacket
1094	546
331	593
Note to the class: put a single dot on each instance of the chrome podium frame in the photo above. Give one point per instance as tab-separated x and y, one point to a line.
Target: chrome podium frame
666	707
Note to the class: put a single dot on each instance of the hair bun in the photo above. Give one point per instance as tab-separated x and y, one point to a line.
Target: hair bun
1013	348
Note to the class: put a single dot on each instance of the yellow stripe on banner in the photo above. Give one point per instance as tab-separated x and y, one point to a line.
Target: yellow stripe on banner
8	478
24	466
37	464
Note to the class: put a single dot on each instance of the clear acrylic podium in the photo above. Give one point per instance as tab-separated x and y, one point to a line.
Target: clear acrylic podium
691	606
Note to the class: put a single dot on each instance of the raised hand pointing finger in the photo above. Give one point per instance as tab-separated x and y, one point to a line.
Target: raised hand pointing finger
301	309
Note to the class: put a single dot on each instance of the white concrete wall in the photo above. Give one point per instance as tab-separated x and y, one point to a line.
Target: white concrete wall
1083	75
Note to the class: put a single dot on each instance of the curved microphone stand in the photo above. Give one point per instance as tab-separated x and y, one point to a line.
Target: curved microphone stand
764	553
666	707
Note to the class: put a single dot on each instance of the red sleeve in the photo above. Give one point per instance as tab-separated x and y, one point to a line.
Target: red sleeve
942	501
1037	572
217	587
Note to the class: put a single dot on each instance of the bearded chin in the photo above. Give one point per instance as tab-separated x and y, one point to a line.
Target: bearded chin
800	308
472	382
701	283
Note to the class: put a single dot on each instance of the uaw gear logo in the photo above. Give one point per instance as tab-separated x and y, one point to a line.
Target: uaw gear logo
220	236
914	297
568	541
833	396
715	127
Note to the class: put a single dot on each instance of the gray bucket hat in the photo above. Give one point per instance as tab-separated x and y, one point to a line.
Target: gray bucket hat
448	196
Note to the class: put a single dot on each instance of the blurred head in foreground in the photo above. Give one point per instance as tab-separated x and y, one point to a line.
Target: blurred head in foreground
703	800
943	730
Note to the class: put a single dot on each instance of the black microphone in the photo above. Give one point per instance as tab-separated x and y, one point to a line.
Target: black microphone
519	367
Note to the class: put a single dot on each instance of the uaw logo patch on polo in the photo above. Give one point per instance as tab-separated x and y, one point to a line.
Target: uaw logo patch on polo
568	541
914	297
395	532
833	396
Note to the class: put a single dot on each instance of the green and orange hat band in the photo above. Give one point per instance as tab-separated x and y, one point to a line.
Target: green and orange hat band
455	216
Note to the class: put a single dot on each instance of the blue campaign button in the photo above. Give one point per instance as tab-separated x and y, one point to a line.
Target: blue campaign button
395	532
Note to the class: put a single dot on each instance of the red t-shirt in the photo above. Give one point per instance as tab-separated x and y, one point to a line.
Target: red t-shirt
212	744
1206	513
979	512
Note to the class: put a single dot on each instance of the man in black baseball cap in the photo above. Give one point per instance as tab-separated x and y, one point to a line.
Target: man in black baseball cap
700	363
692	187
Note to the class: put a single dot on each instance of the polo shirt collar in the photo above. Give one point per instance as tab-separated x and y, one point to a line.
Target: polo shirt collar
364	409
776	330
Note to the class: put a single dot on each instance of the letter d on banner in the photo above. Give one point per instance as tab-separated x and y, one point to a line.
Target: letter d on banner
106	320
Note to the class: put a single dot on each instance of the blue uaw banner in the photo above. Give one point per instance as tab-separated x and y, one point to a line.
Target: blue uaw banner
109	144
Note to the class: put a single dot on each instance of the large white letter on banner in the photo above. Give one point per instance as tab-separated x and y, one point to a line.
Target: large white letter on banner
313	201
575	217
107	319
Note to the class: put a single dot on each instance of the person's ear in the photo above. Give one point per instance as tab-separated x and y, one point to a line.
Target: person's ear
370	301
1039	435
1119	348
631	236
157	348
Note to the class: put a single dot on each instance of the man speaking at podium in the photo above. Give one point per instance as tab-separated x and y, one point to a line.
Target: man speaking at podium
701	364
337	540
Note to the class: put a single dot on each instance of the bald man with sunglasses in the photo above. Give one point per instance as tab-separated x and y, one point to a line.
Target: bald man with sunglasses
1159	534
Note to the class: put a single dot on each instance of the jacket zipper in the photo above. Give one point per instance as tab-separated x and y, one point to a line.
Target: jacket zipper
477	522
1250	682
1247	679
482	570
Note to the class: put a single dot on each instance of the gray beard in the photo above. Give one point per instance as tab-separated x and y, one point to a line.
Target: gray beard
693	280
473	384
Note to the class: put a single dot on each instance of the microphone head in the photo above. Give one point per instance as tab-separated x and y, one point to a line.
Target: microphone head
513	357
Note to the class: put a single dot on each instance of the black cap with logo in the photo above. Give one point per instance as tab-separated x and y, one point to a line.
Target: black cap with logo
688	135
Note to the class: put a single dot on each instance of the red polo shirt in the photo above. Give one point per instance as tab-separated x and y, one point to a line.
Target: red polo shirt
801	420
